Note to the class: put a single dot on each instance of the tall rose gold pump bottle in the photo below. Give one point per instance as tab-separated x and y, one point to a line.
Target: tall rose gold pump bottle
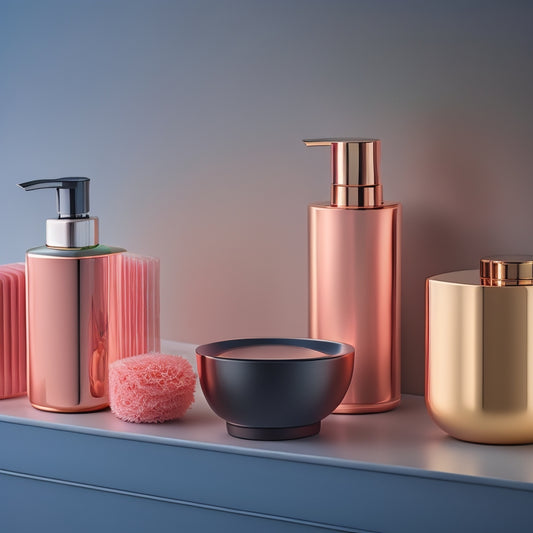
354	273
68	305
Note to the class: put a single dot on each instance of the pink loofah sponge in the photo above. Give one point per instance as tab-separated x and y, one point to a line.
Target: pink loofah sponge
151	387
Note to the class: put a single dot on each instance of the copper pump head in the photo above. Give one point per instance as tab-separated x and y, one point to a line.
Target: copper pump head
355	170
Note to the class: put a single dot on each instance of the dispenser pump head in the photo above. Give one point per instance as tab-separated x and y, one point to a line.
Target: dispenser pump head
74	228
355	171
72	194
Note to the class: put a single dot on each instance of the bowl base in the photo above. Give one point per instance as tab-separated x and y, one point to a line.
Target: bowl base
253	433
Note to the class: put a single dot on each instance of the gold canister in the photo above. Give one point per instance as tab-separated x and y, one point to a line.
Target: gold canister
479	351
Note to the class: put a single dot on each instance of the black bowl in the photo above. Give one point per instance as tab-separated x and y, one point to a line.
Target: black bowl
278	396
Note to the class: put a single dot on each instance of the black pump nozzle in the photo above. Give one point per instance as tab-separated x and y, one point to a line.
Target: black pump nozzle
72	194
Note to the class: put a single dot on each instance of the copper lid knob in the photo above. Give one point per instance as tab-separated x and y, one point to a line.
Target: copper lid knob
498	271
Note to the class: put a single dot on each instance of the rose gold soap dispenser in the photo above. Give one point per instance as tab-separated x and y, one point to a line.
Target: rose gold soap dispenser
354	268
68	305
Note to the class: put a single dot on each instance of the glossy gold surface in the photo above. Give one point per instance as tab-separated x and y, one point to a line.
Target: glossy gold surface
354	297
479	358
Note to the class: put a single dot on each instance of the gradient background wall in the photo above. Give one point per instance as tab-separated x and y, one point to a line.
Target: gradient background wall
189	115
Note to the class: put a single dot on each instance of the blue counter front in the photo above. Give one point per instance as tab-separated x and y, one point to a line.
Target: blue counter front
389	472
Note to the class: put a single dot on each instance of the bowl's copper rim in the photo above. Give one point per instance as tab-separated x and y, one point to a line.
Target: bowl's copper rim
215	349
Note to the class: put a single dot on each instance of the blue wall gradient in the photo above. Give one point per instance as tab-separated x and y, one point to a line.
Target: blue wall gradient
188	116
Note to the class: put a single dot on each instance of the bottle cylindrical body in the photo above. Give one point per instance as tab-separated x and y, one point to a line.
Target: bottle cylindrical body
354	296
68	327
479	358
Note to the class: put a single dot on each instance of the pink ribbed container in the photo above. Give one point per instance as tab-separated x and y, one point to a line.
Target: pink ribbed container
12	330
135	306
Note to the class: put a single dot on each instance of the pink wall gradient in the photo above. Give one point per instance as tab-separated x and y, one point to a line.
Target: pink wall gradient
189	118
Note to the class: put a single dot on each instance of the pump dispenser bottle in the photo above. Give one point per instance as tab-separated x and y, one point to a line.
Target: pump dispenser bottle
68	305
354	273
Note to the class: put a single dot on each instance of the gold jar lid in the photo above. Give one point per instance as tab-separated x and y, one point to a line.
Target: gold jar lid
501	270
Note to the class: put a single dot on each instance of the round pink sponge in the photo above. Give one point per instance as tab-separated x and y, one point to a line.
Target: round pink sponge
151	387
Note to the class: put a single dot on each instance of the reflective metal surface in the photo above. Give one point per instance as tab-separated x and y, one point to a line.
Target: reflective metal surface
355	170
354	297
68	330
507	270
354	273
72	232
74	228
479	358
